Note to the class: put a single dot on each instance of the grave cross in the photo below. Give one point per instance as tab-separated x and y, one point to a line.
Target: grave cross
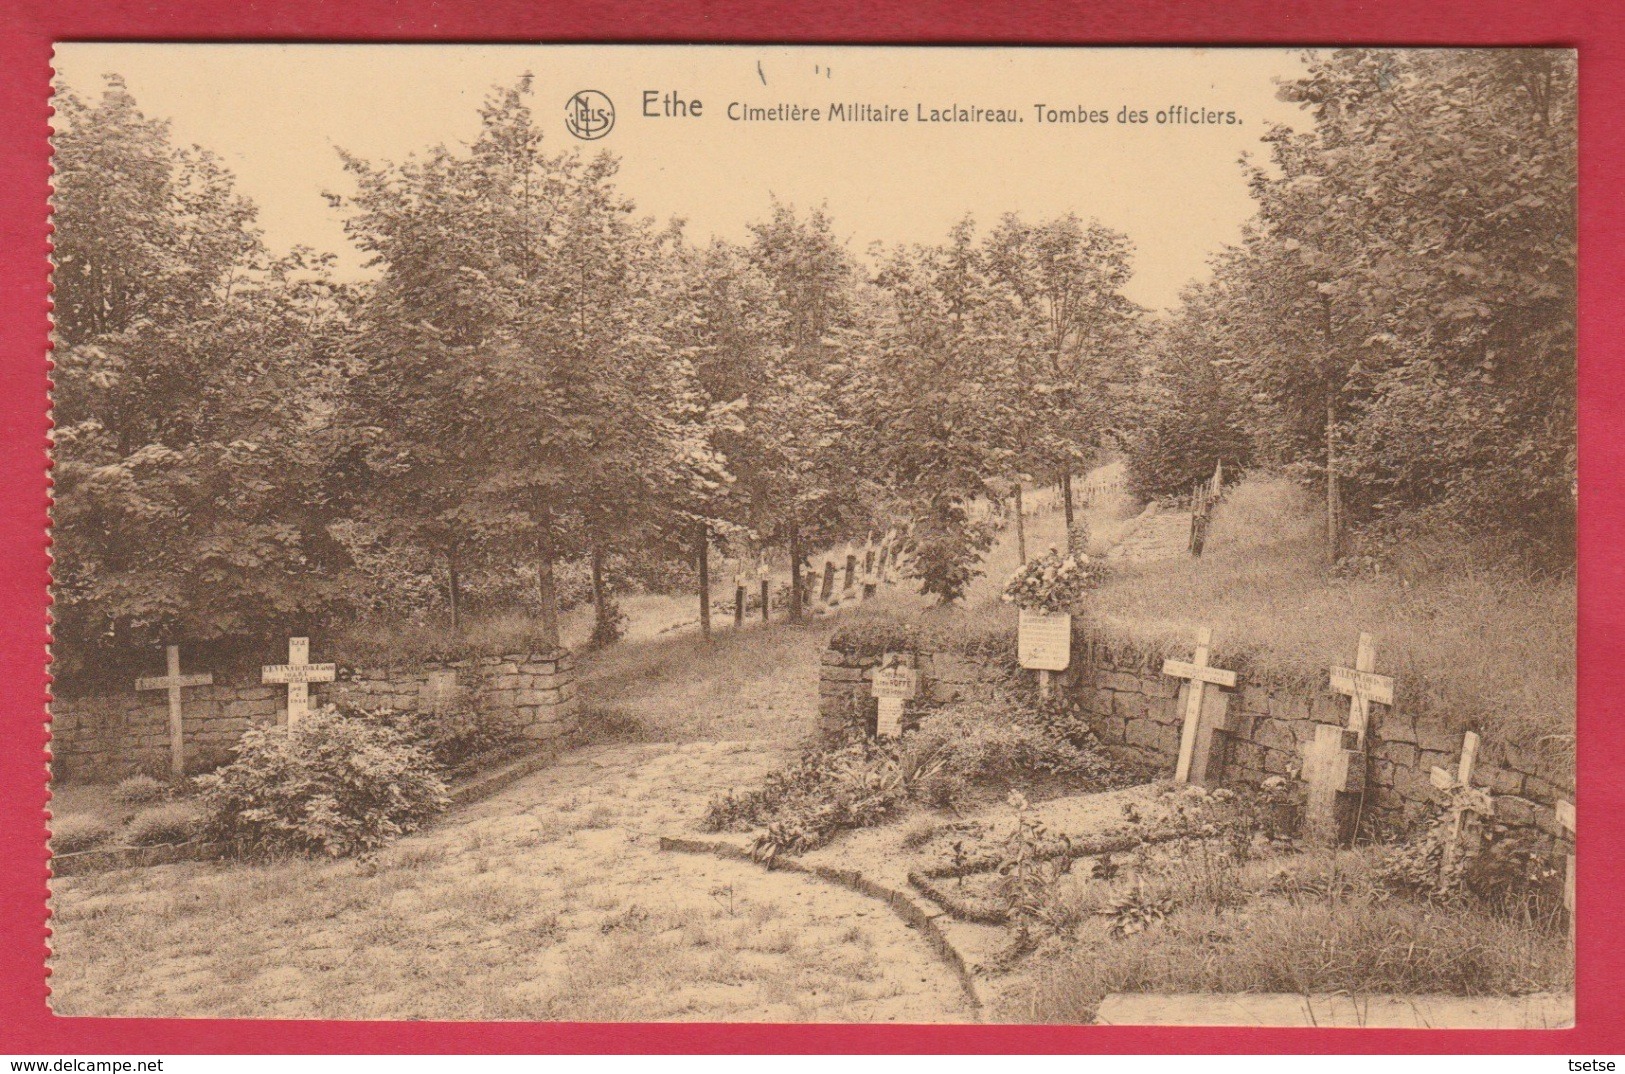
1363	686
1565	820
1465	807
298	673
1200	676
174	682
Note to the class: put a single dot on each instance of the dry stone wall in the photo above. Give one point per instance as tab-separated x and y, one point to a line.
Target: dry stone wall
108	737
1136	711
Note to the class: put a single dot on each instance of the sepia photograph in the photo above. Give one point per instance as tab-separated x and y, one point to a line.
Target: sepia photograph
802	534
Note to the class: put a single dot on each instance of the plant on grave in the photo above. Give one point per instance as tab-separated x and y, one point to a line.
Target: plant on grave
167	822
1054	582
998	742
1500	866
140	789
74	832
1136	910
1031	868
335	784
451	737
827	790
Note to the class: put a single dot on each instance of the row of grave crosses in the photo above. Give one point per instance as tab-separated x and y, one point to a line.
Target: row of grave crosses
298	673
878	562
1334	761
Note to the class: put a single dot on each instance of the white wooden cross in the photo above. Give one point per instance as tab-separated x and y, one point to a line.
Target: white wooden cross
1200	676
1565	819
174	682
298	673
1363	686
1465	808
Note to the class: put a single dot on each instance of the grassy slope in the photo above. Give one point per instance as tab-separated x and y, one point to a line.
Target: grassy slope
1479	645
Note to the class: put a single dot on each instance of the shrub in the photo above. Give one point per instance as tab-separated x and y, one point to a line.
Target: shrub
1506	869
957	749
450	737
998	743
170	822
140	789
335	784
830	789
73	832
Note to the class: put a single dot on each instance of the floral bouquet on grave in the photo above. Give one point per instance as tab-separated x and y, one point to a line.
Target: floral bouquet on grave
1054	582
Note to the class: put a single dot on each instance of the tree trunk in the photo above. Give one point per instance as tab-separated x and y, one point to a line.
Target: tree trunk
1334	498
704	556
454	594
547	592
1066	504
795	573
602	631
1021	528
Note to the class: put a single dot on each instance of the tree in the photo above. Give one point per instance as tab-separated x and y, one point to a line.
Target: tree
1188	415
805	486
528	393
1403	306
1073	337
948	407
194	384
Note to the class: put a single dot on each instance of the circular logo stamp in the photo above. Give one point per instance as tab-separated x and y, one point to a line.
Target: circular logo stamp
589	115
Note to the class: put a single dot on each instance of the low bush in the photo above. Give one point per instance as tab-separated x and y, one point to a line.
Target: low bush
450	737
140	789
1505	870
958	751
337	783
170	822
828	790
970	746
73	832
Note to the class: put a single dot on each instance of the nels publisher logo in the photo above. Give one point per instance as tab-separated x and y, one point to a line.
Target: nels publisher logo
589	115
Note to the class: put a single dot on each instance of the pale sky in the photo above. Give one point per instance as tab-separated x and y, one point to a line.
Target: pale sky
276	113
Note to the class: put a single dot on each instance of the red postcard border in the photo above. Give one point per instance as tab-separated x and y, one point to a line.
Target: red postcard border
27	32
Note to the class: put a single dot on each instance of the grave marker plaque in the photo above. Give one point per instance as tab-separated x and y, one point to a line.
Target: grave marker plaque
1044	644
895	683
1044	641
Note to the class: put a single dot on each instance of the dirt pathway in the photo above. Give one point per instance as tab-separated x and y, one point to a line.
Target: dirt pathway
550	900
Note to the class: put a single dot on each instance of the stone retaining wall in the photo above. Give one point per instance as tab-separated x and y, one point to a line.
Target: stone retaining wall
108	737
1137	711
